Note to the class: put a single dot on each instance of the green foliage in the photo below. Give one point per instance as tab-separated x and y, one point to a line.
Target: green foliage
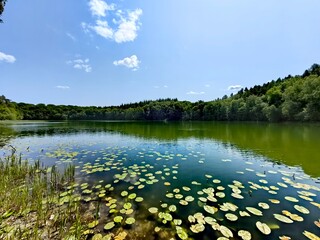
9	110
289	99
2	4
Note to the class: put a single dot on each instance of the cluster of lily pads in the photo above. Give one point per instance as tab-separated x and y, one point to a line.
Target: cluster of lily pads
119	178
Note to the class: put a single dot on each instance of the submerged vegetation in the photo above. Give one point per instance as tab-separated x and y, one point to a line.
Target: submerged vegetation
293	98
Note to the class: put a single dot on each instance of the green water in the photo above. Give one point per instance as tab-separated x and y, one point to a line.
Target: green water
257	161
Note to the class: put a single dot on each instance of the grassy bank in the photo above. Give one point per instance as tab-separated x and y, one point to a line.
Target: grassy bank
37	202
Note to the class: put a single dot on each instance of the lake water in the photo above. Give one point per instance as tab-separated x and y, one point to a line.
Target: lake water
221	171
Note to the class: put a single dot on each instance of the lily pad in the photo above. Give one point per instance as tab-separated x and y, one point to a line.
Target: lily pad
226	231
301	209
132	196
291	199
153	210
118	219
182	234
139	199
109	226
282	218
127	205
244	214
172	208
310	235
197	228
210	209
264	228
124	193
263	205
130	221
231	217
93	224
245	235
254	211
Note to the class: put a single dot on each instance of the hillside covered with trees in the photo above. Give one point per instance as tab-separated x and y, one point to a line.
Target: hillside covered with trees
293	98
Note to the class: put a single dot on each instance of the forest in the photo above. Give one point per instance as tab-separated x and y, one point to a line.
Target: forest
293	98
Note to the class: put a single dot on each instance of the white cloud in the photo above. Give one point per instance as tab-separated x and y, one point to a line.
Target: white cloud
102	28
234	87
164	86
82	64
129	62
195	93
125	24
99	7
63	87
7	58
73	38
128	27
207	85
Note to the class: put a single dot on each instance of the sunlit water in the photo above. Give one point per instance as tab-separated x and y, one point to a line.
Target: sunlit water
188	166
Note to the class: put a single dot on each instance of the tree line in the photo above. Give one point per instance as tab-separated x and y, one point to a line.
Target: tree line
293	98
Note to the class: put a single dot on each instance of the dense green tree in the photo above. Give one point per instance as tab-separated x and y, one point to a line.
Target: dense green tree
2	5
288	99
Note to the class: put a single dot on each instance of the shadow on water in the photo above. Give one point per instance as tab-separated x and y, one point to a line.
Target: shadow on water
289	143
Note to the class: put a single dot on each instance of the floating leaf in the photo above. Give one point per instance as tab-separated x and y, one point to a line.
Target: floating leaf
310	235
153	210
118	219
109	226
97	237
130	221
245	235
244	214
226	231
317	223
186	189
264	228
191	219
210	209
238	196
301	209
220	194
178	196
291	199
263	205
129	211
182	234
209	220
284	238
231	217
127	205
139	199
197	228
254	211
183	202
124	193
172	208
132	196
164	205
169	195
275	201
189	199
282	218
202	199
93	224
177	222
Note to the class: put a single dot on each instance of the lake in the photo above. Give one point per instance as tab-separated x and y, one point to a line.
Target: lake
201	179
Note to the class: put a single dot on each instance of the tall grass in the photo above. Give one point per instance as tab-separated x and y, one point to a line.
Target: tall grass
31	202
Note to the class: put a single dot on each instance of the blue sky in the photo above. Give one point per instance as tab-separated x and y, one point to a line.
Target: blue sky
95	52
